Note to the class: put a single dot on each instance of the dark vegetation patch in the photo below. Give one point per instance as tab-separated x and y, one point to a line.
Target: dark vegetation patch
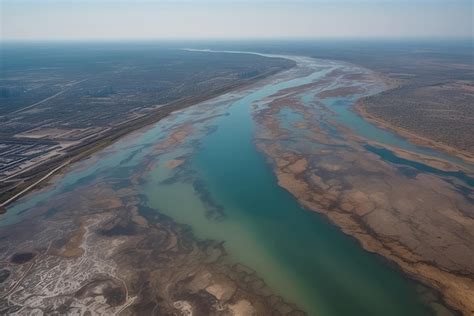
4	274
114	296
22	257
117	227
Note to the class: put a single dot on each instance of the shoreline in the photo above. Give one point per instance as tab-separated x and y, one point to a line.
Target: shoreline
455	290
43	172
76	238
362	210
412	137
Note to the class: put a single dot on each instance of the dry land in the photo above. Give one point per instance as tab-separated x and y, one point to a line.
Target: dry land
419	221
109	254
440	116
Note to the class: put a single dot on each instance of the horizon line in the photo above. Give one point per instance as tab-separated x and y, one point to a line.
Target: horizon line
236	39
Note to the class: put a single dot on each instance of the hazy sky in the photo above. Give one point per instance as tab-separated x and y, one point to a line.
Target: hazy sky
144	19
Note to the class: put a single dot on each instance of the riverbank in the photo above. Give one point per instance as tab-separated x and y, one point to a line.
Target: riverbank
37	177
405	214
298	253
364	213
414	138
110	253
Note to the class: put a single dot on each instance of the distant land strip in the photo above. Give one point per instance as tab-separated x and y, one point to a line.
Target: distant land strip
414	137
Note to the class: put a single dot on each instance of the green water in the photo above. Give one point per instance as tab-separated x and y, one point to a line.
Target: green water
298	253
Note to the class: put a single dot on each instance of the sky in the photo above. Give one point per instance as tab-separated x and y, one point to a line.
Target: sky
234	19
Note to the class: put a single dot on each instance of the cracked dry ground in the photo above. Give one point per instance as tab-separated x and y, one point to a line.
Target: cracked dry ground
418	221
97	251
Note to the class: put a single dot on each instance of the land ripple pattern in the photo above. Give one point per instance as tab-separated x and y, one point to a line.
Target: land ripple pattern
257	201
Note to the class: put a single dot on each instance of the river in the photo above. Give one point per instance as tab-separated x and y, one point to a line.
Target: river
225	190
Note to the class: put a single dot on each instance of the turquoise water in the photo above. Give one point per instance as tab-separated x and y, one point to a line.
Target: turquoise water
388	155
298	253
345	115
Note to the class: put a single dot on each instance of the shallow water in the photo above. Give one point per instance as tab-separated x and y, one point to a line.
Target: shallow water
298	253
347	117
226	191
